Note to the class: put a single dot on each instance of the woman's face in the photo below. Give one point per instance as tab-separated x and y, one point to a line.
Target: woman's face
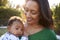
32	12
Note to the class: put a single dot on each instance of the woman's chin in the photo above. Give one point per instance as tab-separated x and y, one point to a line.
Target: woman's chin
30	22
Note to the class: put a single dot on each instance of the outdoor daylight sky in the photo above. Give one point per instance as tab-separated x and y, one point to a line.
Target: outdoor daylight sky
53	2
21	2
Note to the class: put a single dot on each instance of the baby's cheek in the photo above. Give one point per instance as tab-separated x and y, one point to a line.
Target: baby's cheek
15	32
21	32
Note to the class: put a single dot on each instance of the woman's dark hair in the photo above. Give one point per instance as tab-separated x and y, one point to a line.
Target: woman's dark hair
14	18
45	13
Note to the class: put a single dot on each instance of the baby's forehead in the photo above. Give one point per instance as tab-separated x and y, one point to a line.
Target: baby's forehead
17	22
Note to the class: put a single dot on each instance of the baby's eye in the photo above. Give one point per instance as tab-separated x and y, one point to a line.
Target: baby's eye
17	28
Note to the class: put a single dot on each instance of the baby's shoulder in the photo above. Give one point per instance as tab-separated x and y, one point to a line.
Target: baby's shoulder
3	36
8	36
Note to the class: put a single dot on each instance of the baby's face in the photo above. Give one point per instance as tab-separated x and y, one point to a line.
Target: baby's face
17	28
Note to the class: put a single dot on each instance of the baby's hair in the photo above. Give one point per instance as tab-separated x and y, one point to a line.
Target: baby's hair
14	18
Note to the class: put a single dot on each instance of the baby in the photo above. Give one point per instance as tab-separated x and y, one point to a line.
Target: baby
15	29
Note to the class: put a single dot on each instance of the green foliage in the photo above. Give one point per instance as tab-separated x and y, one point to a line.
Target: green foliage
57	12
2	31
3	2
6	13
57	19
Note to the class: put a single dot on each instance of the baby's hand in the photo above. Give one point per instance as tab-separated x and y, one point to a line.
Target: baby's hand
25	33
24	38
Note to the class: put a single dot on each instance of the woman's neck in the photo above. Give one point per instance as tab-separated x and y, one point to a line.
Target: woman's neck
32	29
35	26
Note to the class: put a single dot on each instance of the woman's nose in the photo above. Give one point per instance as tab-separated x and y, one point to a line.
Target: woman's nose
28	14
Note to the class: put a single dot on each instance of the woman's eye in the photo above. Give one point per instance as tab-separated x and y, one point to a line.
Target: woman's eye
33	12
26	10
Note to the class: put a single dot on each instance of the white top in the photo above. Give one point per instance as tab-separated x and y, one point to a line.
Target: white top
8	36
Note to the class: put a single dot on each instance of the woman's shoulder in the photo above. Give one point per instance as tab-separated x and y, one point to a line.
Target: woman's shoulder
48	31
51	34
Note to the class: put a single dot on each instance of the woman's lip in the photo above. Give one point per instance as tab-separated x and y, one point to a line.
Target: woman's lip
29	20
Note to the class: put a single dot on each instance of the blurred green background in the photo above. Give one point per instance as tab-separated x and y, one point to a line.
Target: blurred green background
2	31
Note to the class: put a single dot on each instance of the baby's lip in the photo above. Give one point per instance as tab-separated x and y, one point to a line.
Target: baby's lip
19	34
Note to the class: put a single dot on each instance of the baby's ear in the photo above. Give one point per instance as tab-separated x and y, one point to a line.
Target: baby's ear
8	28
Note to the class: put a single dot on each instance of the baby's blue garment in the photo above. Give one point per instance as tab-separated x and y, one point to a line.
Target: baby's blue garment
9	36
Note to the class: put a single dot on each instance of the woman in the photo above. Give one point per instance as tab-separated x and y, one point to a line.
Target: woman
39	20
